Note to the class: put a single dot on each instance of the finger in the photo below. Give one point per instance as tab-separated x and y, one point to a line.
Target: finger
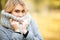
10	20
16	23
26	19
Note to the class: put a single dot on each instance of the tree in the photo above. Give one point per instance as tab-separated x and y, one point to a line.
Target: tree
0	6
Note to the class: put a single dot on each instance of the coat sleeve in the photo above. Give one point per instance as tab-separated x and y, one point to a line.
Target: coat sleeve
3	36
34	33
9	35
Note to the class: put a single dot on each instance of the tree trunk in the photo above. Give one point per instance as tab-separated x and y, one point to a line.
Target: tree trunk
0	6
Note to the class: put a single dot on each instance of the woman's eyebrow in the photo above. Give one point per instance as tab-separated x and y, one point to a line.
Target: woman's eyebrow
16	9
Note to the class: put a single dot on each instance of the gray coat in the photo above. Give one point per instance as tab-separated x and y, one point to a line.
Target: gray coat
7	33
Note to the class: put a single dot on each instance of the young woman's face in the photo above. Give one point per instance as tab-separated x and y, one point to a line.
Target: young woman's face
18	11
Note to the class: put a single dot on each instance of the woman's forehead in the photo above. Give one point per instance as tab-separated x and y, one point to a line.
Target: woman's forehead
19	7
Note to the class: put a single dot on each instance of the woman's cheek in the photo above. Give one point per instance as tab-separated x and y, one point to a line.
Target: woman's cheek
15	14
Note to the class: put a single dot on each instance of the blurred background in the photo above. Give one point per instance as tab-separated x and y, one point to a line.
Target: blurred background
46	14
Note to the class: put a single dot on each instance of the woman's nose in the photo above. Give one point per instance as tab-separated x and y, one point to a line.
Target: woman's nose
20	14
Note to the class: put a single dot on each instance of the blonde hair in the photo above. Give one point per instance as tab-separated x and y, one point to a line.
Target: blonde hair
10	5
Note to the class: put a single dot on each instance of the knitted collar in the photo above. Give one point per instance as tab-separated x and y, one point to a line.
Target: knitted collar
5	19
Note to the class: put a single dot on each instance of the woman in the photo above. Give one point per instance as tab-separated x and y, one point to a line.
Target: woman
17	24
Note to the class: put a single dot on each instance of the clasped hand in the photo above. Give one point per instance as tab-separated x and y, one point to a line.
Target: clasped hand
15	25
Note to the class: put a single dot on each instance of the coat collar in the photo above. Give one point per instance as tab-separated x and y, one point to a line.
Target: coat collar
5	19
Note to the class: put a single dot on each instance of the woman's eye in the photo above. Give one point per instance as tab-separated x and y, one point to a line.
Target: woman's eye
17	11
23	11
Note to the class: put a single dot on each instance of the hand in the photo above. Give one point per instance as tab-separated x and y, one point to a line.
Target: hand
25	25
15	25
